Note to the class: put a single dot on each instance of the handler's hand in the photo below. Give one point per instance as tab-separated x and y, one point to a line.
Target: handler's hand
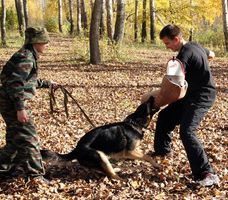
54	85
22	116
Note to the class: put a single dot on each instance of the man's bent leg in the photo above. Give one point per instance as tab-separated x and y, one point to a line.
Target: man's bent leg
168	118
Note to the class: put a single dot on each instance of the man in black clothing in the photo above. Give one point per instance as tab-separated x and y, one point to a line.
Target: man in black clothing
190	110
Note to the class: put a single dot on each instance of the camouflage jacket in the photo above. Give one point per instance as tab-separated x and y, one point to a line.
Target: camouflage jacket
19	76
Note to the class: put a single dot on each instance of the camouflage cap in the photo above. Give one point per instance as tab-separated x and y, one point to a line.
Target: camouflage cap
34	35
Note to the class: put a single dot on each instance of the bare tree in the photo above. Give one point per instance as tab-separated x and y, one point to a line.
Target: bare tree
20	16
144	34
84	15
136	19
94	32
152	21
109	9
3	24
25	6
79	25
60	6
120	21
71	8
225	22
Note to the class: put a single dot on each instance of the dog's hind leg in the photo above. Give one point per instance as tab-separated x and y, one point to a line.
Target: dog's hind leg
138	154
107	167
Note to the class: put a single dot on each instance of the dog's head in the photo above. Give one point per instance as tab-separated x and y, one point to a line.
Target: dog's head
143	113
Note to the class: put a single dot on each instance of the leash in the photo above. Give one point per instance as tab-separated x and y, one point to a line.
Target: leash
66	94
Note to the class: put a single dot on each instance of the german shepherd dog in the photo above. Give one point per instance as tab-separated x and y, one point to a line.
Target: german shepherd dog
116	140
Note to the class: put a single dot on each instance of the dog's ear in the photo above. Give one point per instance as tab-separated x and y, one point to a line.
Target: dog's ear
151	109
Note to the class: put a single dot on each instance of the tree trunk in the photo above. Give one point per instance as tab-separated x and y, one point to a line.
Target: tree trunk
20	16
71	8
225	22
102	22
79	25
190	35
120	21
84	15
136	19
60	6
91	5
191	16
109	9
3	23
94	32
25	4
144	34
152	22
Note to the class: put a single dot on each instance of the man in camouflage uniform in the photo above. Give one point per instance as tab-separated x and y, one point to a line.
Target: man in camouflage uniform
18	84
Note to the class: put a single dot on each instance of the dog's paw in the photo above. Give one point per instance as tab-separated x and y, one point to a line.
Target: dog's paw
117	177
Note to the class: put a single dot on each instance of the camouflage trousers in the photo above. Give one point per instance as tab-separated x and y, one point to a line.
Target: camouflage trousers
22	148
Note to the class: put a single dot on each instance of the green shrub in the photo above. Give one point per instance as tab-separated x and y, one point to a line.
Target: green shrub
51	24
211	37
11	19
81	48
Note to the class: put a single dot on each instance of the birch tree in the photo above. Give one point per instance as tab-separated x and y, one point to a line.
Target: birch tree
136	19
79	25
25	6
109	9
120	21
102	22
152	21
60	7
20	16
144	34
71	8
84	15
3	23
225	22
94	33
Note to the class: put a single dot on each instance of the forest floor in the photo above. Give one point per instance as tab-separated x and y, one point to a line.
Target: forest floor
108	93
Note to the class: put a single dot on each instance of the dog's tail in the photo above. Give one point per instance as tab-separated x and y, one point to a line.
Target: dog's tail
70	156
51	155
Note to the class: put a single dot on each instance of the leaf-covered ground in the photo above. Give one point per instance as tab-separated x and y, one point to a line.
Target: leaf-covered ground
108	93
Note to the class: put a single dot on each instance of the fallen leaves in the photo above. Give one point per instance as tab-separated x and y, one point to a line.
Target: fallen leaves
108	93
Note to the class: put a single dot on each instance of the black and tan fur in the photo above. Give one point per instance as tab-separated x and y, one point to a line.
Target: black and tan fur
117	140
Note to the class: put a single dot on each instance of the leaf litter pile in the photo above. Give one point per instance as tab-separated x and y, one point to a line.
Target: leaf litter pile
108	93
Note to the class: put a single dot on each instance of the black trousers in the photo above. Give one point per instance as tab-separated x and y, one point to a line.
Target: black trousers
188	116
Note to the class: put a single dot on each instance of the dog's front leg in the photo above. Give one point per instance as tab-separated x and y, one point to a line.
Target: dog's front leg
107	167
137	154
